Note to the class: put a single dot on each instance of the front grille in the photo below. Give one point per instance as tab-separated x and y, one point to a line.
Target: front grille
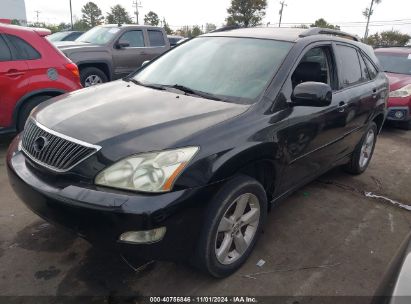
53	150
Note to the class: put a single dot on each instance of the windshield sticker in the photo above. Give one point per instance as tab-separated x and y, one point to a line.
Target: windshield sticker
113	30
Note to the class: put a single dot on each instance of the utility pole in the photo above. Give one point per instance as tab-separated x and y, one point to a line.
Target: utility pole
37	13
368	15
137	5
71	16
281	12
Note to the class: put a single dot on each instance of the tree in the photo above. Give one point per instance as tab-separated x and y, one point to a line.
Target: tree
91	14
246	12
63	27
151	18
324	24
118	15
80	25
368	13
388	38
196	31
210	27
167	28
15	22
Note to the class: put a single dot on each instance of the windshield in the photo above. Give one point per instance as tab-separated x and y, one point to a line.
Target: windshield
395	63
234	69
98	35
57	36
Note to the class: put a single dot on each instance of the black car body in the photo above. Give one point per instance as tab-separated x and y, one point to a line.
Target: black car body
282	139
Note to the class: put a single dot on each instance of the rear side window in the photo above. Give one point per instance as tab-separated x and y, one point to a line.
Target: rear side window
5	54
23	50
364	69
371	68
134	38
349	65
156	38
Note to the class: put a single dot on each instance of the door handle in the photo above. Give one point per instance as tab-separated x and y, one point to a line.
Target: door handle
374	93
341	106
14	73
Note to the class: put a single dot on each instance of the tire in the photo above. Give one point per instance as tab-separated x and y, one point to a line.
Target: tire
88	74
365	148
224	204
26	109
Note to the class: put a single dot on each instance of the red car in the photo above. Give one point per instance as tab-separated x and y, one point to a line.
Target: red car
396	62
32	70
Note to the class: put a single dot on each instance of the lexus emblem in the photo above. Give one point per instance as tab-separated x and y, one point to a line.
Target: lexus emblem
40	143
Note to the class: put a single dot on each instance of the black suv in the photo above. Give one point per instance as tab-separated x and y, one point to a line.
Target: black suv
183	159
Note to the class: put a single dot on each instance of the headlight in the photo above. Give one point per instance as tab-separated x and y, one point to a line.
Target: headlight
403	92
147	172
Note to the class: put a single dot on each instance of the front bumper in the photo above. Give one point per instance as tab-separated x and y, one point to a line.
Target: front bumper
102	215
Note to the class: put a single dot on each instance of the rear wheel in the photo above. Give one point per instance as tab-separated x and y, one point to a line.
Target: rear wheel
233	224
92	76
26	109
362	154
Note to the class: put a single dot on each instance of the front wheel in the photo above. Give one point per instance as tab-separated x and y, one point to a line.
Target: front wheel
361	157
232	226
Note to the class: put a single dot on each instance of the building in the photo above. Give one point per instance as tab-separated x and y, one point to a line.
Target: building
13	9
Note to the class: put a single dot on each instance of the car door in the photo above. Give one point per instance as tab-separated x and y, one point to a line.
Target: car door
360	92
158	43
130	58
314	134
13	81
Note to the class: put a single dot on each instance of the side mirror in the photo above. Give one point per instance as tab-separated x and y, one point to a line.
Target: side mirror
312	94
122	44
145	62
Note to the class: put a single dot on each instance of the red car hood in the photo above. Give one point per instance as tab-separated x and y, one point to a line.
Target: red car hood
397	81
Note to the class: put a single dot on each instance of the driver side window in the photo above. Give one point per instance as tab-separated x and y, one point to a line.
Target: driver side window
134	38
316	65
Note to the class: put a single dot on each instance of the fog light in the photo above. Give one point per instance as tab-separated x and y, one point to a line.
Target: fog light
399	114
143	237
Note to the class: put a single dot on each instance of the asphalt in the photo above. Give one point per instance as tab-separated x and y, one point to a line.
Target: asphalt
327	239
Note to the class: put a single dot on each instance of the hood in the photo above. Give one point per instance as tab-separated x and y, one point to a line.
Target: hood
74	46
141	118
398	81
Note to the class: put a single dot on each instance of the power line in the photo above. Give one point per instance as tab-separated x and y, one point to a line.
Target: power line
137	4
37	13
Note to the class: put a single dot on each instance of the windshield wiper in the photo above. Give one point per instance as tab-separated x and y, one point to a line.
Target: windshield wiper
190	91
147	85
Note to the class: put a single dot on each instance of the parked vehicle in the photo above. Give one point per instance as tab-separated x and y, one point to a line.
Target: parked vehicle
110	52
64	36
396	62
183	159
31	71
395	285
174	40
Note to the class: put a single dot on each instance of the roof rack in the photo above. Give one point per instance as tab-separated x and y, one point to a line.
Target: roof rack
325	31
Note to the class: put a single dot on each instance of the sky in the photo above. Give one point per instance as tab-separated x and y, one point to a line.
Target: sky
346	13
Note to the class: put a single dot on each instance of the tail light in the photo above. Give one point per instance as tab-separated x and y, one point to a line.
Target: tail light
73	69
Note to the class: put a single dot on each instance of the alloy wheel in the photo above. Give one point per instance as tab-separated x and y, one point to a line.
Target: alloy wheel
92	80
237	228
367	147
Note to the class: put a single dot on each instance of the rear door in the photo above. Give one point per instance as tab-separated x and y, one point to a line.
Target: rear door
158	43
13	81
129	59
359	89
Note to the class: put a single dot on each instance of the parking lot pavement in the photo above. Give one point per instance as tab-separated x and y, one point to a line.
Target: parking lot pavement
326	239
